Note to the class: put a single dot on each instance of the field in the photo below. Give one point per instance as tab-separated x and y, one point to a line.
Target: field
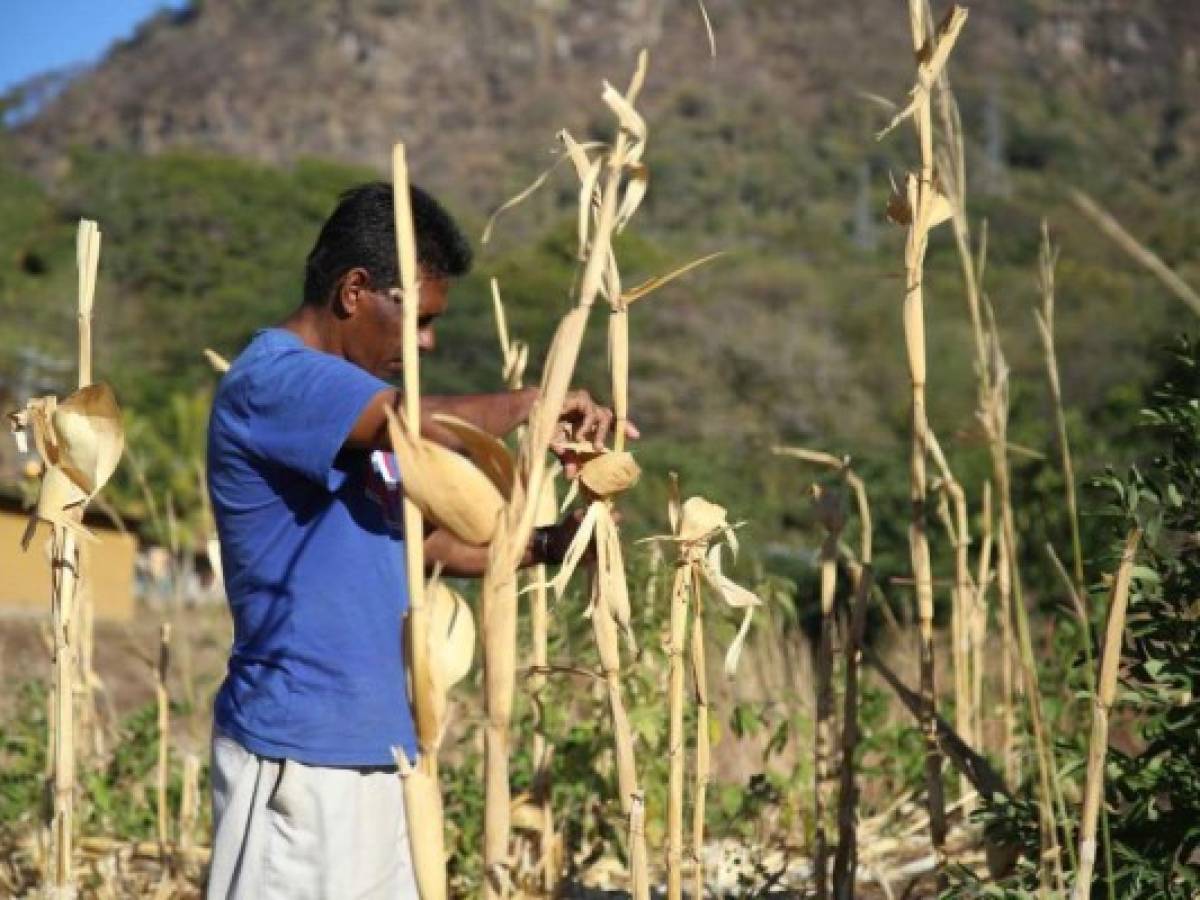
930	635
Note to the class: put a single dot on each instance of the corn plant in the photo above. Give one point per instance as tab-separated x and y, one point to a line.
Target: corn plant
79	441
921	208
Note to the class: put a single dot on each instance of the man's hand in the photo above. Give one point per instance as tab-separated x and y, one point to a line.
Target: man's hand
550	543
583	421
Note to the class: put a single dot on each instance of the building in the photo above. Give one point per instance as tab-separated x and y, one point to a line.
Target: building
25	574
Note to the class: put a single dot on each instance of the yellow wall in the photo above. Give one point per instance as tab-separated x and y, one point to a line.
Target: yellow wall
25	575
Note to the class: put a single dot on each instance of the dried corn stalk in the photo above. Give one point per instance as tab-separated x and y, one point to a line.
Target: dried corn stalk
514	357
163	705
422	794
962	597
830	512
616	198
1047	260
1106	690
695	525
831	516
994	418
922	207
79	441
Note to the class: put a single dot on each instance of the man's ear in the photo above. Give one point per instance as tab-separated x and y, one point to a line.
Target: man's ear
350	293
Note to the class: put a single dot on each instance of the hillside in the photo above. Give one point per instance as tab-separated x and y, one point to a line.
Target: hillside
210	145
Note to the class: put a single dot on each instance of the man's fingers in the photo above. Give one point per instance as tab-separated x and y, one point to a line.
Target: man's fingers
591	421
631	431
604	418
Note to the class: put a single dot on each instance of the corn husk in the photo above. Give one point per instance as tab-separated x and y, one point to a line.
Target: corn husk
80	442
423	804
700	518
449	490
610	474
452	631
90	437
487	451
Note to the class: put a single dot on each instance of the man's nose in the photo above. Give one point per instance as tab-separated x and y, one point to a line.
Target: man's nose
426	340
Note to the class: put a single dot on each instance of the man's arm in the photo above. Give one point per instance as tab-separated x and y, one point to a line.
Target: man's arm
496	414
461	560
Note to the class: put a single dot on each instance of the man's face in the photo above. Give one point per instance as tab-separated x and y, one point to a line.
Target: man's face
375	331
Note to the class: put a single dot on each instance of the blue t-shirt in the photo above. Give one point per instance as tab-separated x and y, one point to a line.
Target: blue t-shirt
313	561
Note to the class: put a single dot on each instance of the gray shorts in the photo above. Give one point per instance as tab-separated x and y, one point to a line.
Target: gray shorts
283	830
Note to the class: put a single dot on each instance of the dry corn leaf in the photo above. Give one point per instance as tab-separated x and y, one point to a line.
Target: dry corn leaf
614	591
736	597
515	353
630	120
933	60
518	198
708	29
90	436
219	363
576	549
653	284
941	209
59	501
573	152
730	591
734	654
589	199
699	519
674	509
635	192
577	152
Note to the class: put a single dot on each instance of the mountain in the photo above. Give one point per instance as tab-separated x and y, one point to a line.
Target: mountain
471	84
212	142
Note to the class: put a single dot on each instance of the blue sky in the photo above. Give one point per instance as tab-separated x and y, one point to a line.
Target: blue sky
39	35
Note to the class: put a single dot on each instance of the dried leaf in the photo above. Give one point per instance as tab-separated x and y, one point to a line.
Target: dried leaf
708	29
630	120
700	519
589	199
90	437
611	573
635	192
674	510
653	284
219	363
734	653
578	546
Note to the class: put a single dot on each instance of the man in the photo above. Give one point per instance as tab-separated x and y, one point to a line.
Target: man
306	801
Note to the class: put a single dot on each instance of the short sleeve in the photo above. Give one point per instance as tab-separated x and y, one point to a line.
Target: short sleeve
300	407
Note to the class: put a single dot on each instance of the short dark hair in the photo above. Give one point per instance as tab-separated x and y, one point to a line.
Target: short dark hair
361	233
